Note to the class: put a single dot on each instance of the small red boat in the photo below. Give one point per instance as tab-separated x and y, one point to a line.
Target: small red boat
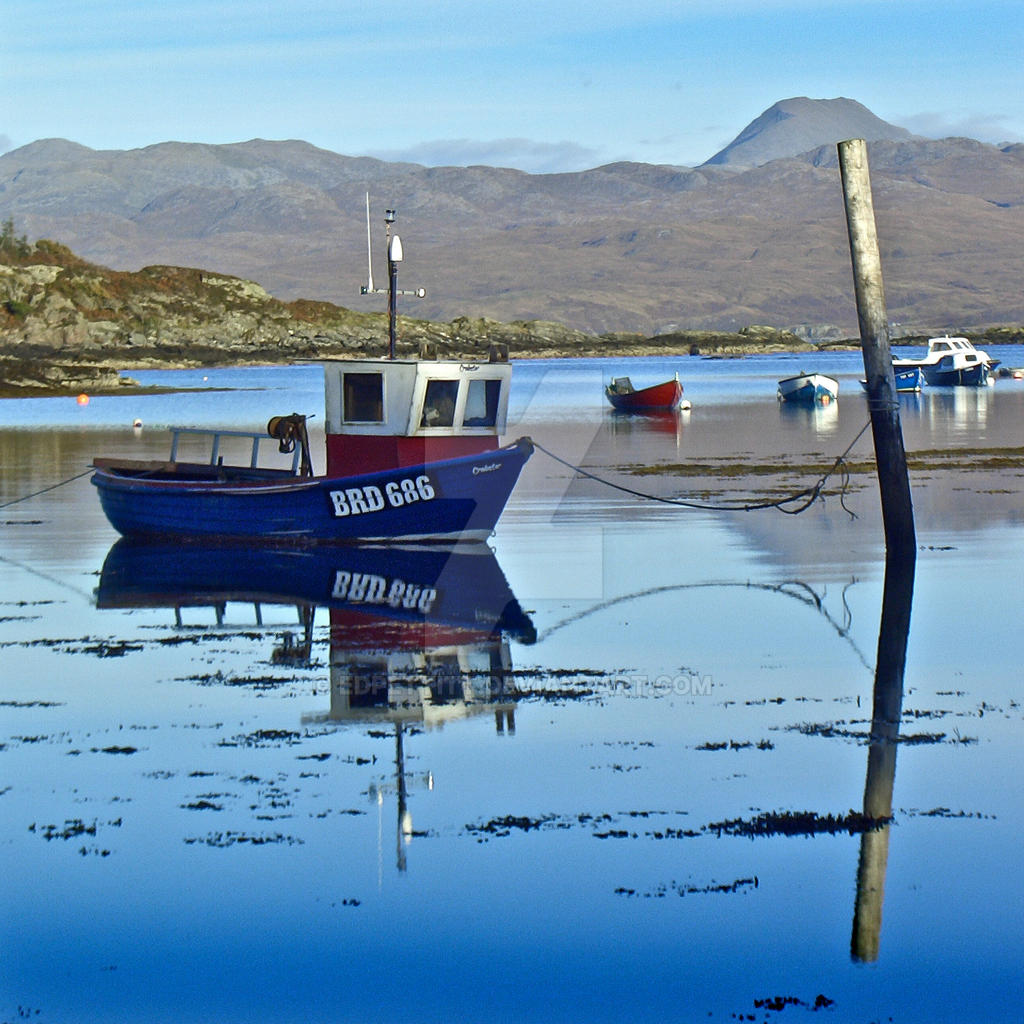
626	398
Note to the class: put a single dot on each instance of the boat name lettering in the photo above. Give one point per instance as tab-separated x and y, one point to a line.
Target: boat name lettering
489	468
469	367
354	501
370	588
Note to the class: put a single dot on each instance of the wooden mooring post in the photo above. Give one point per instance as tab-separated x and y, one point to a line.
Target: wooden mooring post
883	399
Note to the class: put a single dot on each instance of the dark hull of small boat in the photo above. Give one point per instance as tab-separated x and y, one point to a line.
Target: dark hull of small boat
457	499
972	376
452	588
658	396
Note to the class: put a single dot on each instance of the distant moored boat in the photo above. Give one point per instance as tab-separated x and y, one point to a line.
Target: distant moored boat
626	398
951	362
808	389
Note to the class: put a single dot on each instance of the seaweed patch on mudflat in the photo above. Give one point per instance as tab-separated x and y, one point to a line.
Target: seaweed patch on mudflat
685	889
945	812
82	645
559	685
74	829
505	825
31	703
622	825
841	730
798	823
736	745
601	826
219	678
223	840
776	1004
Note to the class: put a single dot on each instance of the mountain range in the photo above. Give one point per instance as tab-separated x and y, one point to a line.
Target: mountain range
756	235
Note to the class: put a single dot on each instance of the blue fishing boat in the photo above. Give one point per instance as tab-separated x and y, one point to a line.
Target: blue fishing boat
908	379
447	500
412	454
808	389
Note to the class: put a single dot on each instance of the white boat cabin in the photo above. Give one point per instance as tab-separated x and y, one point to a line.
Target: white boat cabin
385	413
939	347
948	353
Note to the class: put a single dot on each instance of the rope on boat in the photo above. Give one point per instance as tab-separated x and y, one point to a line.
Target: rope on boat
52	487
806	497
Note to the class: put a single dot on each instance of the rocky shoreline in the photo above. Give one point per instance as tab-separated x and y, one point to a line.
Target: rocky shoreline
68	326
107	371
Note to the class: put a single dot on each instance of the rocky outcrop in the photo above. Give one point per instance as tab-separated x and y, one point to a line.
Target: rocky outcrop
30	376
68	326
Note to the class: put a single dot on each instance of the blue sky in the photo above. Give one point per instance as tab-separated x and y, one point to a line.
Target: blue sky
543	86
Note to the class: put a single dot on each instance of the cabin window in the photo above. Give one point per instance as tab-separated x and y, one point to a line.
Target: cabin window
363	398
482	403
439	403
367	685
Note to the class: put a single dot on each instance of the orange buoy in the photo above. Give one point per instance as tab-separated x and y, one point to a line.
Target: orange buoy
83	399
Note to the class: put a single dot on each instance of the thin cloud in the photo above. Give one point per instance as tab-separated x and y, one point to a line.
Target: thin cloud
983	127
5	144
521	154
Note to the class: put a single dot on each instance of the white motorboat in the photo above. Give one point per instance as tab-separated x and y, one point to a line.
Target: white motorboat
951	361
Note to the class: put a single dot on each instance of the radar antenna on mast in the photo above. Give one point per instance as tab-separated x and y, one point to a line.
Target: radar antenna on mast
394	254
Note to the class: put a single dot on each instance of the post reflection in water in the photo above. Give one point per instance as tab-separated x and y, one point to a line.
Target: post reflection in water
887	709
419	636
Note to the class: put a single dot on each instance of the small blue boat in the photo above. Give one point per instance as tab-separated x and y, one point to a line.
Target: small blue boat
907	380
449	500
808	389
910	379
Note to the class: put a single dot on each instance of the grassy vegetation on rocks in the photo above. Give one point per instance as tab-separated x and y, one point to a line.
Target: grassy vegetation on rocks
68	325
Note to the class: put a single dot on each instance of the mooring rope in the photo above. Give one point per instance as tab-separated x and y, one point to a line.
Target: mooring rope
808	496
52	487
789	588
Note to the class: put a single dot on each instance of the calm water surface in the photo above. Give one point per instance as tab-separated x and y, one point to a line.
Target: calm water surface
617	770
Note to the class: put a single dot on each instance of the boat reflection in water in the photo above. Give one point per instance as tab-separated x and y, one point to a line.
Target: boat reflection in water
887	710
418	636
448	662
388	587
649	421
822	418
